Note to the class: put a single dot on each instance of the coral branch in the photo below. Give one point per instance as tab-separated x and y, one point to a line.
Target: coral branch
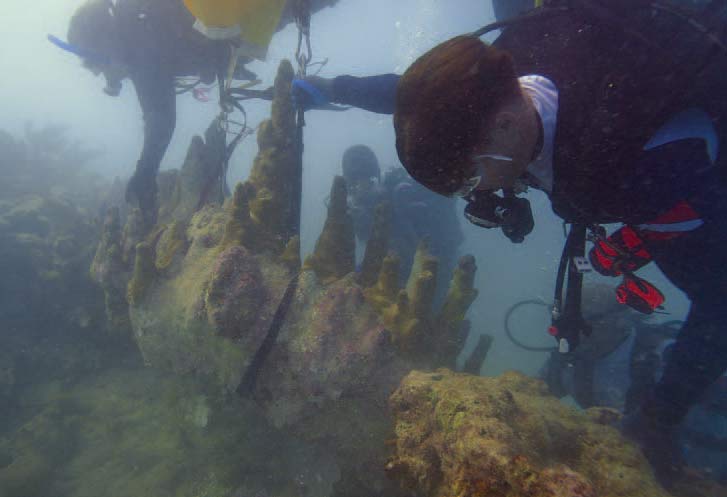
474	362
335	251
377	246
144	273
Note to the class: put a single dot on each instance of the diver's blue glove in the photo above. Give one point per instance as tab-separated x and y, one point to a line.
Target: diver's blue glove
313	92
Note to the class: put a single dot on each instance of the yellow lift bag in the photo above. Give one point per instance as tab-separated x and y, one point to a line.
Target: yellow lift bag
254	21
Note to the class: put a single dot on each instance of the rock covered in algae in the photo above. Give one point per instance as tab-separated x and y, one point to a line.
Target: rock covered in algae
236	294
273	196
328	378
335	252
332	345
109	271
377	246
505	437
209	313
208	279
171	245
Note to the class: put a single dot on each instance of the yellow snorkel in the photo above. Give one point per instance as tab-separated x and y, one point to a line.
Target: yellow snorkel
252	21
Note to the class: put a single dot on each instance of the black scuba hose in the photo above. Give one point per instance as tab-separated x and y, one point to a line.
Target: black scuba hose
531	348
531	15
560	278
511	336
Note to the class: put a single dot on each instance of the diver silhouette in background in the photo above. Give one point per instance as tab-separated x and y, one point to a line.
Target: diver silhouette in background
417	214
152	42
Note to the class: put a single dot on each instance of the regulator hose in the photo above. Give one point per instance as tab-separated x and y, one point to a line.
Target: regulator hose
511	336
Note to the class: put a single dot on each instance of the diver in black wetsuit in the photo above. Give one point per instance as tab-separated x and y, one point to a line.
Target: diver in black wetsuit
507	9
551	106
151	42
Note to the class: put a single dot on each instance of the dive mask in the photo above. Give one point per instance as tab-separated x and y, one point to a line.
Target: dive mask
486	209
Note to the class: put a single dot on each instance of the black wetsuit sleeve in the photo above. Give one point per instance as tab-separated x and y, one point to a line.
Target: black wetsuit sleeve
155	90
372	93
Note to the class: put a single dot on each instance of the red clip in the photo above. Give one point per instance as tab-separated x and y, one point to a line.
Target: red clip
639	294
553	331
201	94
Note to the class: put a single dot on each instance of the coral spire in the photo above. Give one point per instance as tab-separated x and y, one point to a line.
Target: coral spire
335	252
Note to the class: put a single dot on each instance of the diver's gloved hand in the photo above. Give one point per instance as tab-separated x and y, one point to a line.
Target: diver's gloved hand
312	92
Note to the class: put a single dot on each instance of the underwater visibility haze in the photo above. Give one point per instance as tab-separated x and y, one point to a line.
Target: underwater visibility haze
313	248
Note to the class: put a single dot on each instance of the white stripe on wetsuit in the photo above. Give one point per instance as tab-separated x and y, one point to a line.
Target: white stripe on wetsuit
672	227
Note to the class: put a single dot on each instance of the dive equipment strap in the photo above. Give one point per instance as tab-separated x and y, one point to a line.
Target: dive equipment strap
568	323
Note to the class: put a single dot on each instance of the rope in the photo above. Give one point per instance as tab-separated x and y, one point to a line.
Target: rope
249	379
302	13
228	104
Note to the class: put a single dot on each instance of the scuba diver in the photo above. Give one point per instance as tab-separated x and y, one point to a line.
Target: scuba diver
153	42
360	168
581	100
416	213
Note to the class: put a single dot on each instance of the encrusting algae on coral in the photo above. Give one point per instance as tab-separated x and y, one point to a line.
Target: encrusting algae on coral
108	270
335	252
472	436
427	338
206	281
144	273
171	244
272	201
376	247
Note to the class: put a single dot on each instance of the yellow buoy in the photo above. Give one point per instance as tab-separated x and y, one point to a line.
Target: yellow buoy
254	21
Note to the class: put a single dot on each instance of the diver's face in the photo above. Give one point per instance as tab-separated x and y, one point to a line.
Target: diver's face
499	159
507	145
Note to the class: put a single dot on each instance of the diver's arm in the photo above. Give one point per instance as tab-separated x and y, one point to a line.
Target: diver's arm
372	93
155	91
